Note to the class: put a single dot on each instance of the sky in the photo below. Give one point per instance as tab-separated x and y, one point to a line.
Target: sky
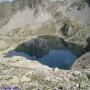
5	0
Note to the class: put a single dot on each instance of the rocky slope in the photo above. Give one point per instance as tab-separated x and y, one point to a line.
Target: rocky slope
83	62
21	73
21	23
40	12
5	13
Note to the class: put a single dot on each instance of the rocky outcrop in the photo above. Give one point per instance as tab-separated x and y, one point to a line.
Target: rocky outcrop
88	45
31	12
32	30
5	13
83	62
69	8
81	35
21	73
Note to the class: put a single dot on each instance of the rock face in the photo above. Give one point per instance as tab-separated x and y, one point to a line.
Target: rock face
21	73
5	13
79	8
40	12
88	45
83	62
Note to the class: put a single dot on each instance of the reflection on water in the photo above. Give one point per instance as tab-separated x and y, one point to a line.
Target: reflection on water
61	59
57	58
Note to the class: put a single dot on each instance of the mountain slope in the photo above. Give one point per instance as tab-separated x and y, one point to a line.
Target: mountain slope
24	74
83	62
21	13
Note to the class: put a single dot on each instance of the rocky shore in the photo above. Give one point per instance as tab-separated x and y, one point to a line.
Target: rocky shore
31	75
83	62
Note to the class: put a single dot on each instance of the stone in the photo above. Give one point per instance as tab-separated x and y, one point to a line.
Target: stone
25	79
77	73
82	85
57	70
14	80
77	85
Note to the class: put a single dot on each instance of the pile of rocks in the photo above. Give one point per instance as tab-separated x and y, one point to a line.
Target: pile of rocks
31	75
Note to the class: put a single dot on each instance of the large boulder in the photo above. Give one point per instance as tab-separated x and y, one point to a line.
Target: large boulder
83	62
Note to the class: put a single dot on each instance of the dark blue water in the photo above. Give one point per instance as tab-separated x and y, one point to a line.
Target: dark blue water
61	59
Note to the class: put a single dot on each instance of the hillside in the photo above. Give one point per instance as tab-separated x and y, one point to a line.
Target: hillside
5	13
40	11
83	62
23	74
45	45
